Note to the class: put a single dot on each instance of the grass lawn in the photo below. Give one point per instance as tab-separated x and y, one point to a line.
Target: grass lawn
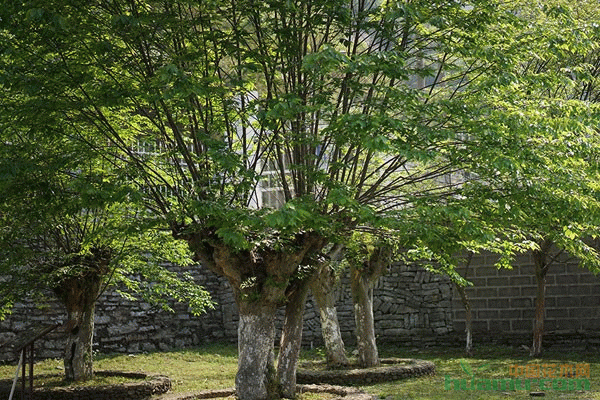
214	367
208	367
489	362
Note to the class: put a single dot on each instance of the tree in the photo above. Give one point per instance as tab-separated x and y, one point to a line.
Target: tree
464	298
323	288
348	113
558	210
544	197
66	226
368	257
577	56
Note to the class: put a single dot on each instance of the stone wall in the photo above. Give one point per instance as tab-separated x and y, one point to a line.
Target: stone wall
503	300
409	303
122	325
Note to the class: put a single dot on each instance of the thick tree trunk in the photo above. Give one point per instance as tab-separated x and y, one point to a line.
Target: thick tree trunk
79	293
255	379
79	296
362	296
78	360
260	279
323	290
335	351
291	340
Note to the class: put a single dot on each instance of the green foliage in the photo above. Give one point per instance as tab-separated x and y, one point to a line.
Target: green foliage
441	126
143	271
364	246
529	154
67	212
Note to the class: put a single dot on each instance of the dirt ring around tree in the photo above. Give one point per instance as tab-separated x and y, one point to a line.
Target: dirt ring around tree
391	369
142	386
335	392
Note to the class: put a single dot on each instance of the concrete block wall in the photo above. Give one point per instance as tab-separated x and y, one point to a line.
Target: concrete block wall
503	300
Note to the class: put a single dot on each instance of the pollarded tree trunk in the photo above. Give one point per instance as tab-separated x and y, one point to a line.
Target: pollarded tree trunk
291	340
78	360
362	297
79	294
335	350
255	379
362	279
261	280
323	290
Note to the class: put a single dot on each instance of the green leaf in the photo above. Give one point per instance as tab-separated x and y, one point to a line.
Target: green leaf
466	367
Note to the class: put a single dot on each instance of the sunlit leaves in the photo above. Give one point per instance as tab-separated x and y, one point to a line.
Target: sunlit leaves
443	120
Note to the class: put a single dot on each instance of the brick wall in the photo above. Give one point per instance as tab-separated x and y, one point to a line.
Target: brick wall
503	300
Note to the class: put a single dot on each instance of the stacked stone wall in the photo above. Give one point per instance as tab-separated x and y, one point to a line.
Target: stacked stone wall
122	325
409	303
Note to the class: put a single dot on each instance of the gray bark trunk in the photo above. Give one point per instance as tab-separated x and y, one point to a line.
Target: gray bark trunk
362	295
462	291
255	379
335	350
323	290
260	280
79	294
78	360
291	341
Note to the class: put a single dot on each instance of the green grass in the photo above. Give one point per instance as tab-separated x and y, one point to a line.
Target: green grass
214	367
488	363
209	367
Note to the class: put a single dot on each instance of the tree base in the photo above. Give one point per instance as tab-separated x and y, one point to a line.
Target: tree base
391	369
142	386
336	392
